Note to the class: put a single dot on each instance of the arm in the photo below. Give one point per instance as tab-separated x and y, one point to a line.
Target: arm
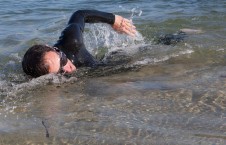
71	39
118	23
91	16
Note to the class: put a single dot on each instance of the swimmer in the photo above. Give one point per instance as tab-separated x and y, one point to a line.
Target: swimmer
70	52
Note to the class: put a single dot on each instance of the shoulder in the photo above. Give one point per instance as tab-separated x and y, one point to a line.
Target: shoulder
71	29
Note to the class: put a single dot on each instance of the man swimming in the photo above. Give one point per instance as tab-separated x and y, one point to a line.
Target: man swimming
70	52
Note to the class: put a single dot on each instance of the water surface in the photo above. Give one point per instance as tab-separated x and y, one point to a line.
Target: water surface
153	94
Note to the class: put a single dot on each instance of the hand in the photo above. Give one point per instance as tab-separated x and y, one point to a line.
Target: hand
124	25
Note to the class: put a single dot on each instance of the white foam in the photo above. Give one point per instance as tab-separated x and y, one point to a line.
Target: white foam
161	59
192	31
12	89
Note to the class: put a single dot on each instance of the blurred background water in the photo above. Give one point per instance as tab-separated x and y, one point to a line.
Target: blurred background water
156	94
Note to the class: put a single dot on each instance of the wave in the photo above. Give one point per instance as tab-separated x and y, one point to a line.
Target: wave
146	61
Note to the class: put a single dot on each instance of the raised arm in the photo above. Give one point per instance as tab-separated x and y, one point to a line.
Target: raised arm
91	16
71	39
119	23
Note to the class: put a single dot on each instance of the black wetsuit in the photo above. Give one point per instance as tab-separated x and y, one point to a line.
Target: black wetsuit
71	39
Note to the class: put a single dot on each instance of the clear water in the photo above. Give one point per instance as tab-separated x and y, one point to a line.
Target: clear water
156	94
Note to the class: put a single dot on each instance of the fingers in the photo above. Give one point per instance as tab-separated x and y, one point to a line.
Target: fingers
128	31
129	23
128	28
124	25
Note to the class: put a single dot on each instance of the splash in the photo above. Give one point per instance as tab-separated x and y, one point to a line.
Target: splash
136	12
101	38
12	89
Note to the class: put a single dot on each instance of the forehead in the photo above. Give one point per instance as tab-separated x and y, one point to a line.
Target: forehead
52	59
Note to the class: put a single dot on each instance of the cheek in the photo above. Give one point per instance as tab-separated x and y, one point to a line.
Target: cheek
54	68
56	65
53	61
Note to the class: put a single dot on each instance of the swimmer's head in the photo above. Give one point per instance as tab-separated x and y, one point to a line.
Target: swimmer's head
33	62
42	59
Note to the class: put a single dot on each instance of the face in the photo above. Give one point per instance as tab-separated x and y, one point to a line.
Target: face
52	58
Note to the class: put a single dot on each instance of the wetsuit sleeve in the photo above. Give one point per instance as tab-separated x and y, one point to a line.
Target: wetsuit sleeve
71	39
91	16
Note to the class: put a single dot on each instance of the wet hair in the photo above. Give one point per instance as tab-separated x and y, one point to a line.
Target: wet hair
33	62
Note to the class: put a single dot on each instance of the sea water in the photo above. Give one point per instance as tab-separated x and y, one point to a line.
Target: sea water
154	94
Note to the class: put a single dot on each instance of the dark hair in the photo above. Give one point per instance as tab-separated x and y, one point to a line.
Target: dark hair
33	62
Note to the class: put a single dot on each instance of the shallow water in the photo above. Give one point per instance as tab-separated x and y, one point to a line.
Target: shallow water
153	94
